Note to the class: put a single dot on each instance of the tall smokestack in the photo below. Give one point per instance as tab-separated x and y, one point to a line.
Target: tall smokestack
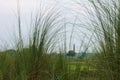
74	47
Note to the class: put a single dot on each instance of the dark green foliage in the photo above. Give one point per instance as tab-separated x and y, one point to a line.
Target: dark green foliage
71	53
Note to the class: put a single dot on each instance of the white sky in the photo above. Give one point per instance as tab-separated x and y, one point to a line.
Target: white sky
8	16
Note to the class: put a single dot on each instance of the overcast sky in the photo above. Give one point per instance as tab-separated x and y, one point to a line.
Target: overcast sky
8	16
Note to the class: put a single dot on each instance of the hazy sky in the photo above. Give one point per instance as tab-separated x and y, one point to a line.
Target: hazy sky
8	16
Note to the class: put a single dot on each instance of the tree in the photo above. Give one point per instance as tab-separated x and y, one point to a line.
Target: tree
71	53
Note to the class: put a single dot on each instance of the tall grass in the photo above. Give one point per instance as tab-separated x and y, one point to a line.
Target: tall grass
106	22
39	61
33	62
